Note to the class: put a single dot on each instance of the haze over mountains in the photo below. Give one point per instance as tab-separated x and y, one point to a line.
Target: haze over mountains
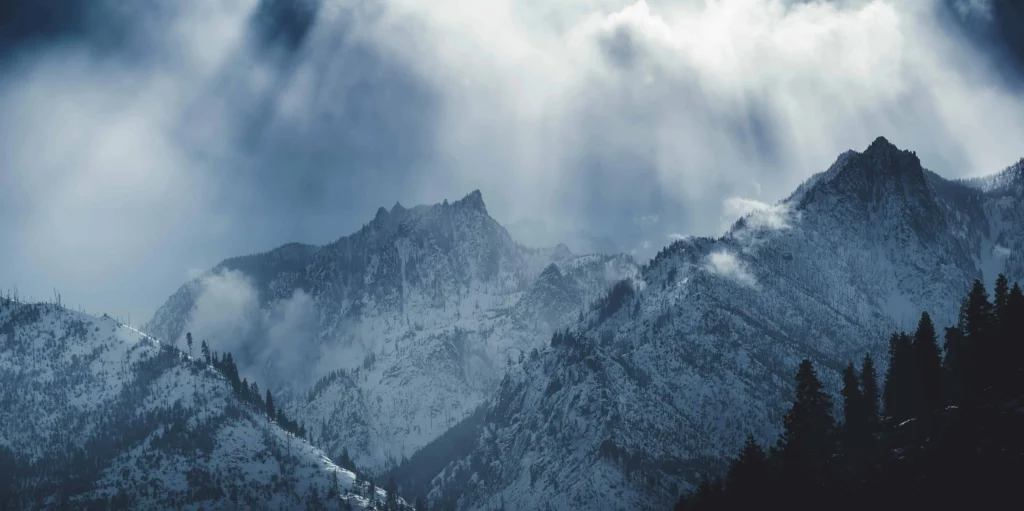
423	309
97	415
670	374
386	338
380	342
496	254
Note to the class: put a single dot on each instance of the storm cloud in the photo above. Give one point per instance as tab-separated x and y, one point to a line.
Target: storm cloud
144	140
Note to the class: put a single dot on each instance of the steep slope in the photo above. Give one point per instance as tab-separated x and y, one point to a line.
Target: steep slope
1004	212
409	322
96	414
670	372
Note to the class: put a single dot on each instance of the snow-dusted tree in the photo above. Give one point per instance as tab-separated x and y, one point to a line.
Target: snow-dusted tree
270	405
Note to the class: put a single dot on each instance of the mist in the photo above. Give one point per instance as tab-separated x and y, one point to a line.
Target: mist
143	143
265	343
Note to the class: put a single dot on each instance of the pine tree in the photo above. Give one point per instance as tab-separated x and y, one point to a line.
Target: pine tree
978	327
188	340
1013	338
1003	365
854	418
270	405
1006	363
709	494
230	370
1001	296
345	461
901	381
929	367
205	349
748	474
314	498
332	490
954	364
808	438
391	499
871	395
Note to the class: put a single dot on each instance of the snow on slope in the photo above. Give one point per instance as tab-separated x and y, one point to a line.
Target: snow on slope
672	374
95	411
418	315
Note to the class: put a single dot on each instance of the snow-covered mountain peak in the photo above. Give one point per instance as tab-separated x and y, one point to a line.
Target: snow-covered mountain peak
561	252
883	157
382	215
663	380
881	173
384	338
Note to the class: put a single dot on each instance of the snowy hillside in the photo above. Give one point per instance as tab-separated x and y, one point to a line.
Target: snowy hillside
385	338
669	373
94	412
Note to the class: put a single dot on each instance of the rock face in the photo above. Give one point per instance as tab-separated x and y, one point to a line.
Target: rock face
672	369
96	414
385	338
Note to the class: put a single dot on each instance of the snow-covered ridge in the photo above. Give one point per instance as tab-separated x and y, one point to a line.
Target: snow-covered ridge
94	411
671	375
1006	181
409	325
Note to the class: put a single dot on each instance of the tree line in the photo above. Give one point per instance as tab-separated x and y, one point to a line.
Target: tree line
247	392
945	429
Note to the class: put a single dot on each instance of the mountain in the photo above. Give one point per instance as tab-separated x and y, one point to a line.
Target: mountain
97	415
382	340
668	373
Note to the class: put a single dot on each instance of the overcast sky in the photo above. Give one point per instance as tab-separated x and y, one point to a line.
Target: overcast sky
141	142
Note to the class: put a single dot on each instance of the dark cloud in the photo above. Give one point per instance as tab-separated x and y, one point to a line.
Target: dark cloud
144	139
996	28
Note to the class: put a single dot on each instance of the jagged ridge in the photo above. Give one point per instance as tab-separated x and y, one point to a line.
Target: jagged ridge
421	310
701	353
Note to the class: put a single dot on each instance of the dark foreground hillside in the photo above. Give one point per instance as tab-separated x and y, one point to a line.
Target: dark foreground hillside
950	435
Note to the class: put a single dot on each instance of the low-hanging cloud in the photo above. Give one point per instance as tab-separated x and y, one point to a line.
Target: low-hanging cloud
757	214
266	342
635	120
725	264
227	311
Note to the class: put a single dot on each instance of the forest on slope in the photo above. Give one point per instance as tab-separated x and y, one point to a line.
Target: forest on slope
943	431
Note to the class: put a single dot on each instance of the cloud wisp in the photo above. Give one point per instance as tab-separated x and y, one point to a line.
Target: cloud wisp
725	264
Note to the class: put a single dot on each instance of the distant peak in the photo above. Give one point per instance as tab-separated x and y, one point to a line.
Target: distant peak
886	156
881	143
475	201
865	175
551	271
397	208
382	213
